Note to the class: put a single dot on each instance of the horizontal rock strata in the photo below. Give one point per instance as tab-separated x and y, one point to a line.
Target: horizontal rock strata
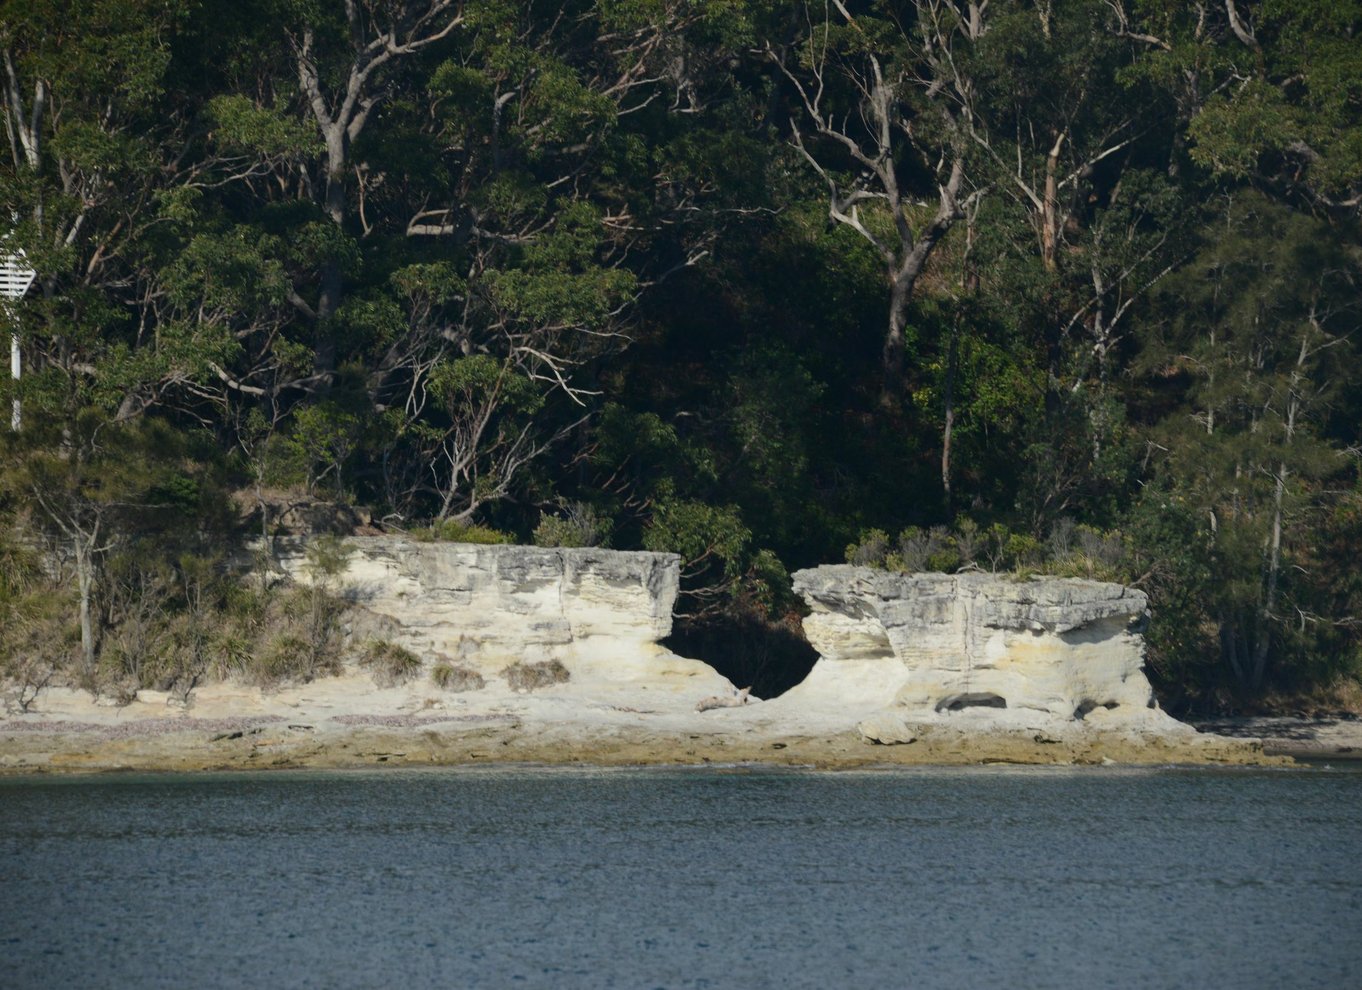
599	612
1013	654
948	669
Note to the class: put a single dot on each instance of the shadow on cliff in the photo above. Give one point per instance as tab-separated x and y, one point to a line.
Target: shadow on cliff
769	657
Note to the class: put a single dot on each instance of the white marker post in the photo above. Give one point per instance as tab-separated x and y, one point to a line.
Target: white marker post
15	278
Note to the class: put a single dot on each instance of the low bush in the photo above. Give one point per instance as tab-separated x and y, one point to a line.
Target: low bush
285	659
1071	550
233	655
389	663
871	550
934	549
25	677
449	676
452	531
36	645
577	526
170	630
532	676
1085	552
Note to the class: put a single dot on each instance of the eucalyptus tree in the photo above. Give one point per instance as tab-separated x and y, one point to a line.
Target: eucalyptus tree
884	116
344	64
999	111
95	138
1085	222
1053	115
1256	346
1269	90
399	188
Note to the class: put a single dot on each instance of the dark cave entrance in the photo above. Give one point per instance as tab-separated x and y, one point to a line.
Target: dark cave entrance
769	657
976	699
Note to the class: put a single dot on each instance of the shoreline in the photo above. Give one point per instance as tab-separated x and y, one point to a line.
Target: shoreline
562	664
558	727
1336	737
258	748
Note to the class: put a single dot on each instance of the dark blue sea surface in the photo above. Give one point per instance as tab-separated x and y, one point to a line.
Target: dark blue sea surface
988	877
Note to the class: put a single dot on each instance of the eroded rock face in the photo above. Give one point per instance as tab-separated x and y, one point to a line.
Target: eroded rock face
914	661
942	643
598	611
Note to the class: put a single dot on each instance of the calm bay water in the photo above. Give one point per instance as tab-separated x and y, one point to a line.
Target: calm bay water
990	877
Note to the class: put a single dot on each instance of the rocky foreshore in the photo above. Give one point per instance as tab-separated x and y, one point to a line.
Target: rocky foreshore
913	669
1320	738
559	731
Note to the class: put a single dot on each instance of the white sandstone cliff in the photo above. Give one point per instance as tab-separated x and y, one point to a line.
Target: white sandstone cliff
977	650
918	660
599	612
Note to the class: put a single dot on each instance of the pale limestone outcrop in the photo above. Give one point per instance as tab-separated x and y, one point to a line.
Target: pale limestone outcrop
1030	653
599	612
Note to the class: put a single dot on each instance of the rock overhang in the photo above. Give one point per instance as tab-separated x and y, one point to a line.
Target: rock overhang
938	644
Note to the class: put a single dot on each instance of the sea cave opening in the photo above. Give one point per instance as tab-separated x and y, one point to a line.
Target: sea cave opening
769	657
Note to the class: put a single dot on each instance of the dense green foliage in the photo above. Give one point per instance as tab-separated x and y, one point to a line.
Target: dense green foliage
1068	285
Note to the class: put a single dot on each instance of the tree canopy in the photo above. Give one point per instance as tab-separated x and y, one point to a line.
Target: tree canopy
1065	285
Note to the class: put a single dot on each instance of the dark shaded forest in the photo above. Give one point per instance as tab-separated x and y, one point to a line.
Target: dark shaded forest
1037	286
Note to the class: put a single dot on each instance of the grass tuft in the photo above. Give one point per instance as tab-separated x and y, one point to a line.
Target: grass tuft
390	663
455	677
532	676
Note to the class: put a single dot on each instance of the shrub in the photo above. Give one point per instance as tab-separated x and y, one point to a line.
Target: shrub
1105	550
171	624
233	655
298	639
390	663
871	550
327	559
916	550
531	676
1081	551
36	642
287	658
766	587
26	676
453	531
128	661
942	553
578	526
700	533
1062	537
1007	550
932	550
968	540
1023	551
449	676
